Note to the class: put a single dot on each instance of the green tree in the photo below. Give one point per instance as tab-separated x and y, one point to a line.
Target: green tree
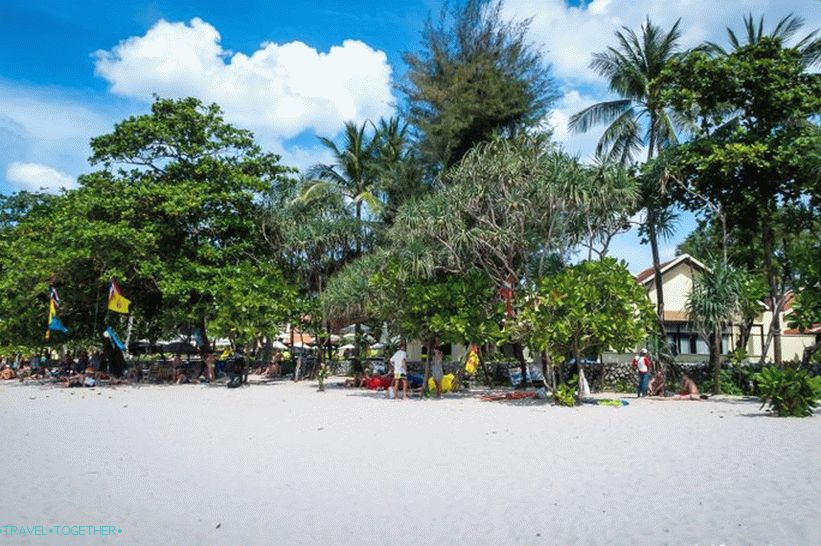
475	75
173	210
809	46
585	309
757	152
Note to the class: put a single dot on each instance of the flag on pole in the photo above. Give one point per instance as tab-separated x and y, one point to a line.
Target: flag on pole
115	339
54	322
54	297
116	301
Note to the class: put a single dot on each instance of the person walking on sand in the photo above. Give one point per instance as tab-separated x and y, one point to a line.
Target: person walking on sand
399	362
436	371
642	364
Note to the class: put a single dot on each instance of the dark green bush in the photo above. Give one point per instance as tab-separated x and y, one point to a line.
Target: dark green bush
788	392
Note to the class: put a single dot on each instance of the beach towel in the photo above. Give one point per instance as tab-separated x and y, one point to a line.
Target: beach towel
605	402
508	396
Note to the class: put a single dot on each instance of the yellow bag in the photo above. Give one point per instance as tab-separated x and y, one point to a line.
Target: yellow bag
472	363
447	383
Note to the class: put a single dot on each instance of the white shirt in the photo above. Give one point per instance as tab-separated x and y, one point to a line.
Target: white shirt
400	361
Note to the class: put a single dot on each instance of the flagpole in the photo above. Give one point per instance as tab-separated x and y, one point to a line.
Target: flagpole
96	307
128	335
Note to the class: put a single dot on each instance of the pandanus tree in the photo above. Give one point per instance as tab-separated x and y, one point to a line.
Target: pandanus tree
713	304
637	118
507	200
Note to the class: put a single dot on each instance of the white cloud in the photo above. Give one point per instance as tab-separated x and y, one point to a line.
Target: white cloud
572	34
37	177
278	91
48	126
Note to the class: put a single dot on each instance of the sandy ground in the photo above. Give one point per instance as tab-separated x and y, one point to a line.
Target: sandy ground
283	464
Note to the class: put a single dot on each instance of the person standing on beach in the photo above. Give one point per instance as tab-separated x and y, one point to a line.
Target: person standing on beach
436	371
642	364
399	362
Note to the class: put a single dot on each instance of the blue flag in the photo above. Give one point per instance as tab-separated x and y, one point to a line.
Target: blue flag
114	339
57	325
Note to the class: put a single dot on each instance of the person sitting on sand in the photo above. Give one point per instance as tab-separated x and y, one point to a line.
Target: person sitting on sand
180	377
689	389
7	373
656	387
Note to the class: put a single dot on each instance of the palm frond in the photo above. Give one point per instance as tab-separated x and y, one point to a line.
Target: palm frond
596	114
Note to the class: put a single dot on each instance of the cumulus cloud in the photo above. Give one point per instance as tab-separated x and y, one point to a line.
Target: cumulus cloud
37	177
48	126
571	34
279	90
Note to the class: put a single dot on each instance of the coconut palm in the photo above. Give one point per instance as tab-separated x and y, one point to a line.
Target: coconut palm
785	29
713	304
638	118
351	174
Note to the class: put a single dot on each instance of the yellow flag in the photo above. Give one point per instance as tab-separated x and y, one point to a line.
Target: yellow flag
116	301
119	304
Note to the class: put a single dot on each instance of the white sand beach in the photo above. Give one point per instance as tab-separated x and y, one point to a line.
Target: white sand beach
283	464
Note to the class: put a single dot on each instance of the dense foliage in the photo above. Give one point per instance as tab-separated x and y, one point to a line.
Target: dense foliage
788	392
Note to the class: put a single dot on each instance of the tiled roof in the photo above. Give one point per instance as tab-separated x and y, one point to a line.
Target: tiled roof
675	316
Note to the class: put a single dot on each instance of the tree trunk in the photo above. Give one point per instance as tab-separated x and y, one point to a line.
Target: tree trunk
657	280
293	352
520	356
427	372
483	365
715	359
580	372
772	282
744	331
547	368
808	352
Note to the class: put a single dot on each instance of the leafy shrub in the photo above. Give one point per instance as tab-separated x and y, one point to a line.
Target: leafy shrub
788	392
565	393
624	386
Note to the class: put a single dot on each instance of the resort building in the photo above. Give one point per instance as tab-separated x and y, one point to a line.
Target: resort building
685	342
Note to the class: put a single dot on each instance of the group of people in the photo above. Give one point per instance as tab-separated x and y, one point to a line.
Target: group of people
46	365
397	379
652	383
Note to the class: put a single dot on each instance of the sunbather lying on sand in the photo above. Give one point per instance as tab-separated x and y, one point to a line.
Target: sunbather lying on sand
76	380
7	373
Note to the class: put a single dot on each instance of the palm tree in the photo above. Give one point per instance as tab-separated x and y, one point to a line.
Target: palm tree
637	118
351	174
785	29
714	303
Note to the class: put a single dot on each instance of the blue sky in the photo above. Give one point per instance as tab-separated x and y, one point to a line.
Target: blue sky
286	70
